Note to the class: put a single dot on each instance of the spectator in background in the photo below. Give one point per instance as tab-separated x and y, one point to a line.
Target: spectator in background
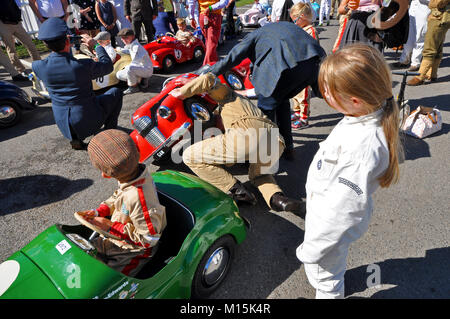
210	20
412	50
6	63
10	29
140	12
438	25
334	7
121	22
169	11
356	29
89	23
324	12
44	9
107	15
302	14
229	9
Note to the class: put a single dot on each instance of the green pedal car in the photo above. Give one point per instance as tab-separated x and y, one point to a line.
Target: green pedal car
195	252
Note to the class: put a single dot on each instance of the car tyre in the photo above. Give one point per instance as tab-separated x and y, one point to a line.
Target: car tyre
213	267
10	114
168	63
199	54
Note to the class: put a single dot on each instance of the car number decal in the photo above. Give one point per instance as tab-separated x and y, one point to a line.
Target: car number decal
178	54
102	81
63	246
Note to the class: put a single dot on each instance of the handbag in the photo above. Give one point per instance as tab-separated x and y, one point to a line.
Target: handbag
423	122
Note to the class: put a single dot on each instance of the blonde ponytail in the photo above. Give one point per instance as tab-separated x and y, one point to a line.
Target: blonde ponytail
359	70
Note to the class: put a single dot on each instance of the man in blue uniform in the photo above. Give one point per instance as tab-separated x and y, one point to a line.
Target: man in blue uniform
285	60
77	111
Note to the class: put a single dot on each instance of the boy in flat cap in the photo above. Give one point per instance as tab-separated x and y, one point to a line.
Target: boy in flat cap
77	111
140	68
137	217
249	136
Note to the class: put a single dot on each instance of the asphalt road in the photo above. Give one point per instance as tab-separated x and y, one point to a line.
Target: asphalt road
43	181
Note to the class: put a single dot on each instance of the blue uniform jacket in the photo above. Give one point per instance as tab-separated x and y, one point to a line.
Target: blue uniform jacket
272	49
69	83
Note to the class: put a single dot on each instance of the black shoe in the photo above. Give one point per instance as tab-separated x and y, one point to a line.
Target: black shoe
241	194
20	78
78	145
281	203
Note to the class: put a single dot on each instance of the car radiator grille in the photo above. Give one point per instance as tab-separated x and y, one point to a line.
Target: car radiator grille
155	137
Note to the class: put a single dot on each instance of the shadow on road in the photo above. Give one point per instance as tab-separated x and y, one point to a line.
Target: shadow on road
422	277
41	116
26	192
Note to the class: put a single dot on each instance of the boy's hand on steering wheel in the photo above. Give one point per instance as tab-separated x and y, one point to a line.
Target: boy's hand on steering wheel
101	222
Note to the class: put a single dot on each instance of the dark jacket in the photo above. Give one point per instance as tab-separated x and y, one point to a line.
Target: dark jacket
10	12
272	49
141	9
69	83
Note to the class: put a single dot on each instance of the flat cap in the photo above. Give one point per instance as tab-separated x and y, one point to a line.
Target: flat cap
104	35
125	32
115	154
53	29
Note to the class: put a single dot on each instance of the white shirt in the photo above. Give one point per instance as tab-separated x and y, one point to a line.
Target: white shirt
341	180
50	8
139	56
111	52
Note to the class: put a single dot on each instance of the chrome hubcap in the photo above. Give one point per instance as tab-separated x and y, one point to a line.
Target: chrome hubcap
168	63
199	113
234	82
216	266
7	114
198	53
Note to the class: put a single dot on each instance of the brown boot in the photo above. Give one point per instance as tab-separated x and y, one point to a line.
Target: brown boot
425	67
432	73
415	81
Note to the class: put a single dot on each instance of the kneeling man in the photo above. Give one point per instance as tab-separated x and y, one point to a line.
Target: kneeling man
249	136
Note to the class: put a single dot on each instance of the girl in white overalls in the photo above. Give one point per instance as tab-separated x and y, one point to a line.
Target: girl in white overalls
360	154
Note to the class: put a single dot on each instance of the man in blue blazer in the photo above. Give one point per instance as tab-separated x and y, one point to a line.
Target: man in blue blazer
77	111
285	60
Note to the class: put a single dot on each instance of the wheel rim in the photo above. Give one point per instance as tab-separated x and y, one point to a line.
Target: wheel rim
199	112
235	82
169	63
198	53
216	266
7	114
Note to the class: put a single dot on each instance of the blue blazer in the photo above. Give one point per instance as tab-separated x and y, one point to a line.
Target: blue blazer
272	49
69	84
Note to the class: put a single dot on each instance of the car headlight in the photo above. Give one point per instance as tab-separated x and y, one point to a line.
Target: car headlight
164	112
142	124
154	56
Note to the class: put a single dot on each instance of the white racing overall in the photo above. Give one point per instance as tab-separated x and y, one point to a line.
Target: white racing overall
341	180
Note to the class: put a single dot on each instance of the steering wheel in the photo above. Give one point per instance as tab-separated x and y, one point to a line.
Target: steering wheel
170	34
84	222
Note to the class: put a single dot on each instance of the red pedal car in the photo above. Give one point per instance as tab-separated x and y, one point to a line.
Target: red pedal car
167	51
162	121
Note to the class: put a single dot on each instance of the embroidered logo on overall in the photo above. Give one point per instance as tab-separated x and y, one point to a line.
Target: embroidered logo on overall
351	185
124	210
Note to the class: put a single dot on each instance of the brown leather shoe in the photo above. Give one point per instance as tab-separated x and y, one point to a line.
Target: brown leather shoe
415	81
280	203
